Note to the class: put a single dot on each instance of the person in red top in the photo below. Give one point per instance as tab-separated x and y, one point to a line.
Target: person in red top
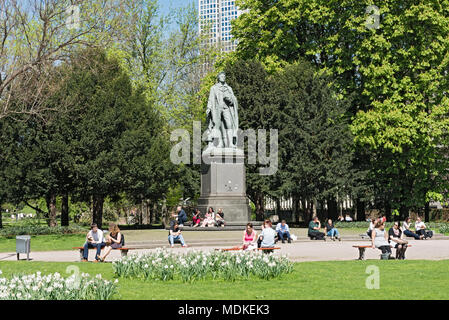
249	237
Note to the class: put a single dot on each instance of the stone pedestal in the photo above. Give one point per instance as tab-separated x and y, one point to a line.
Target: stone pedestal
223	184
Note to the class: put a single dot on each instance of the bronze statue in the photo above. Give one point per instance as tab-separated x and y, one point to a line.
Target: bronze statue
222	115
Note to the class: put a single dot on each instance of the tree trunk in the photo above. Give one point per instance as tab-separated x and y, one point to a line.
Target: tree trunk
332	209
295	209
403	212
51	205
1	218
427	212
259	207
361	214
65	210
314	205
97	215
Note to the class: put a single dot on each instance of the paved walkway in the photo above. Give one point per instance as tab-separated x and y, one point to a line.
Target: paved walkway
297	251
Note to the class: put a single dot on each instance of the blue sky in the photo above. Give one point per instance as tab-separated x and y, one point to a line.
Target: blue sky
167	5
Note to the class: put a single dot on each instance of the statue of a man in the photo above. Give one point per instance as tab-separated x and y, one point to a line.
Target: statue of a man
222	114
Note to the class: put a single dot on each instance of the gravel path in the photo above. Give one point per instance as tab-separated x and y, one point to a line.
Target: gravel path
297	251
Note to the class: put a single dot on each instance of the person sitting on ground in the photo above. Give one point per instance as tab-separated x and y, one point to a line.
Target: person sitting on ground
175	235
196	218
341	218
219	218
408	232
379	239
283	231
113	241
331	231
94	239
372	224
396	236
314	230
421	229
249	237
348	218
267	235
209	220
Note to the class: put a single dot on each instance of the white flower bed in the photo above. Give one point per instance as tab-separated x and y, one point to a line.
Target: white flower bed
194	265
55	287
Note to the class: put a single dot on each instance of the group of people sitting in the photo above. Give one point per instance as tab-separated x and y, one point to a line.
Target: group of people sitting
421	230
95	239
314	232
210	219
268	236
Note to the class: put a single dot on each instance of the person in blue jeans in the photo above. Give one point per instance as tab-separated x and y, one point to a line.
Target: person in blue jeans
94	239
283	231
175	235
331	231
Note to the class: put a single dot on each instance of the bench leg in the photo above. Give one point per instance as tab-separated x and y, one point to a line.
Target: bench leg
18	256
124	253
361	253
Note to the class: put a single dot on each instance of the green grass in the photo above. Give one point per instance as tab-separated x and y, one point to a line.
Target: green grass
46	242
414	280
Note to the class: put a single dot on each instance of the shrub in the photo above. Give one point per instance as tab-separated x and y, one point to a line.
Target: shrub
39	230
193	265
54	287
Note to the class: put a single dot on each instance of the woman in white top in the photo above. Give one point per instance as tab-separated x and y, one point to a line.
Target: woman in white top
408	232
379	238
421	229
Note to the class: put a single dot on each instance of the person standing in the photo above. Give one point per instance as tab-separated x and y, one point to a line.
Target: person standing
94	239
283	231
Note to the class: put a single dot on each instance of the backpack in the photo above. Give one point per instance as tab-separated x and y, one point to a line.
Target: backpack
122	241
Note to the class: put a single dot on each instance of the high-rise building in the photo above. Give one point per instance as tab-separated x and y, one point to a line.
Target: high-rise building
215	18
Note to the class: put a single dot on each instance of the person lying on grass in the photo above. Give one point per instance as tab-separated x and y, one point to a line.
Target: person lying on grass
113	240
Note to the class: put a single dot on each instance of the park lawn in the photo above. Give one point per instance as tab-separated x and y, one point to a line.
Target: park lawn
46	242
415	280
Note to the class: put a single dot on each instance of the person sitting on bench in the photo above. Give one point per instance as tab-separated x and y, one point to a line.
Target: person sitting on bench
249	237
314	230
372	224
421	229
408	232
283	231
268	235
379	239
396	236
113	241
175	235
94	239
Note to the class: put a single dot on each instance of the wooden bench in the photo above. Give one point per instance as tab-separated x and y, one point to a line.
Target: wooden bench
123	251
264	250
364	247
